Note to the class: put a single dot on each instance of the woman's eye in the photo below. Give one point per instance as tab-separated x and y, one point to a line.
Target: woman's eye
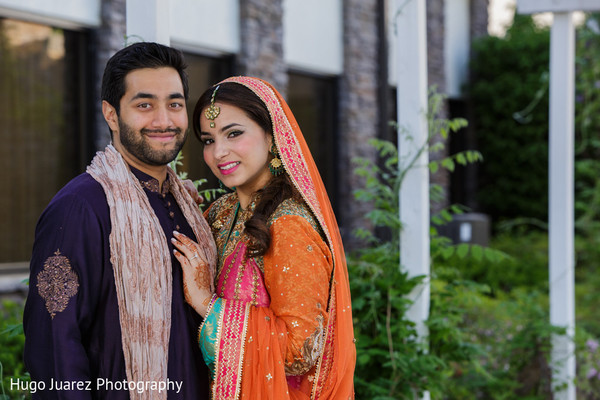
233	134
206	141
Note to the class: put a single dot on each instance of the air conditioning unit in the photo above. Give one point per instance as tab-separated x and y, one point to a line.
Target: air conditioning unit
471	228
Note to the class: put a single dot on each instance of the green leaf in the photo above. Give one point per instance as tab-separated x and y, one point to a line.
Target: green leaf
477	252
433	167
448	252
448	163
462	250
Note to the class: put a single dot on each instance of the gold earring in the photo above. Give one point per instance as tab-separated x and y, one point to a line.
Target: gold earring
275	165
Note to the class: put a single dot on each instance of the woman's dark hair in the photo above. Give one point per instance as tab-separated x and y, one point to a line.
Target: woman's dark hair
279	187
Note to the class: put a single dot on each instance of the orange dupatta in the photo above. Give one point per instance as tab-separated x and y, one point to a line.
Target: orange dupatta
334	373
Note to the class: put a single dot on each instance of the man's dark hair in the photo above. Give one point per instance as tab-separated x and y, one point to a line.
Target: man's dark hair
137	56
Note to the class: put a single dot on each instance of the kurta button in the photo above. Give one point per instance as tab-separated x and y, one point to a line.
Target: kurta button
171	214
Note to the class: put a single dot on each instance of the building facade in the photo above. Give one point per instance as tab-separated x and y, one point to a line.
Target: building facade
331	59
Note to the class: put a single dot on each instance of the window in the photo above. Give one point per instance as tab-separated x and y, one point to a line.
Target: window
312	99
41	125
203	72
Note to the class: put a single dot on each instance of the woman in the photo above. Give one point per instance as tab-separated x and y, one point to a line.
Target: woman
278	323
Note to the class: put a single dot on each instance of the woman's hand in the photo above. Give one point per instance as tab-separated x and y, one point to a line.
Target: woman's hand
196	274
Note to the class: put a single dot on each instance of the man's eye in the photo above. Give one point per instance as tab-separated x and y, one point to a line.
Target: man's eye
177	105
144	105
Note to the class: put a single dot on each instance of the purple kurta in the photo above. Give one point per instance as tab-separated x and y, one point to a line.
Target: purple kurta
71	318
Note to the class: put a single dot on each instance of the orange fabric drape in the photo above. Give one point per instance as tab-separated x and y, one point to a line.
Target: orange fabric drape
335	378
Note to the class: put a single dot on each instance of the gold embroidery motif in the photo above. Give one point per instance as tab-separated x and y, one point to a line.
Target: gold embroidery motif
57	283
293	207
228	230
152	185
311	351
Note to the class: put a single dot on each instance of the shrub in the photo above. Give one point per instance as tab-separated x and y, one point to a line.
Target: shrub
488	331
12	342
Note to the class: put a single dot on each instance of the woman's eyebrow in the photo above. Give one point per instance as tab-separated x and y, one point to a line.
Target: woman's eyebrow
223	129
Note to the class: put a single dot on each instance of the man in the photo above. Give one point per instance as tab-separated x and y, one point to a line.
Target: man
105	317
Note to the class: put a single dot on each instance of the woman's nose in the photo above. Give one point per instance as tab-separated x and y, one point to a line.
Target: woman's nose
220	148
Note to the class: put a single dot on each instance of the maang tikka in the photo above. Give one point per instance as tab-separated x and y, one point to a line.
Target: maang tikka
275	165
212	111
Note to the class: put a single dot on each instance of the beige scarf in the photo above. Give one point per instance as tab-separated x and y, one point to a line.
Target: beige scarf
141	262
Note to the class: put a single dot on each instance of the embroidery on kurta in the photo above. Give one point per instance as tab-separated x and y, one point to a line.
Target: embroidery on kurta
152	185
57	283
228	230
325	363
311	351
228	227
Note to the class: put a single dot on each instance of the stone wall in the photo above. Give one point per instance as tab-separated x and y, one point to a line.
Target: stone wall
358	105
261	34
479	18
361	103
437	77
106	41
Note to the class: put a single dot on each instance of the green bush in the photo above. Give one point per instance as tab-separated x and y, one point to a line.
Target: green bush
12	342
509	96
522	269
488	329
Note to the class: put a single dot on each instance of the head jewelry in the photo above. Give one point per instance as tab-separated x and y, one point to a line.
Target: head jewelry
212	111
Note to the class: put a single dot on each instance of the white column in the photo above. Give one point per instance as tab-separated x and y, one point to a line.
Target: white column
561	198
411	56
148	21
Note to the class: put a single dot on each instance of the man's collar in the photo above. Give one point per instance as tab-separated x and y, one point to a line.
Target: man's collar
150	183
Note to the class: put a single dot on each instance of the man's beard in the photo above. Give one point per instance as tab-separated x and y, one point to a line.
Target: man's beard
137	146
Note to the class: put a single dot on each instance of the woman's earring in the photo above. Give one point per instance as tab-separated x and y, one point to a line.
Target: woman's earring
275	165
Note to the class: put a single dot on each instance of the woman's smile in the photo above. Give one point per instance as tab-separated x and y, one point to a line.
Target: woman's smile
228	168
237	150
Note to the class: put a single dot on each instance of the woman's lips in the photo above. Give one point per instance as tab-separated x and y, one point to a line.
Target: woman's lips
228	168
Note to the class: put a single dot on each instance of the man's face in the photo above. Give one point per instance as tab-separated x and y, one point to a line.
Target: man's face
152	126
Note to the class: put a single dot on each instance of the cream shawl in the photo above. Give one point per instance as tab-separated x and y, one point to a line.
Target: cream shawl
142	266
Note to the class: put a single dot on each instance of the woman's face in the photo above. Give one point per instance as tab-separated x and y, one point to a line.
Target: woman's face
236	149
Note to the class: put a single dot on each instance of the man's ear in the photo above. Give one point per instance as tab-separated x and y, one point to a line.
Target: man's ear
110	115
